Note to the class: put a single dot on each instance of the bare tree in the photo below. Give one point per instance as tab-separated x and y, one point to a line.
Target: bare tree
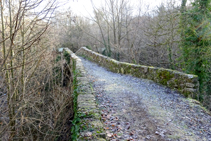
35	101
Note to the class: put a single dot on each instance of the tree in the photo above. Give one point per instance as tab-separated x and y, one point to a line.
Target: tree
114	21
161	36
22	26
197	44
183	26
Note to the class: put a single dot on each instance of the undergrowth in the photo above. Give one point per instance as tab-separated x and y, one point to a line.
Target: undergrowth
45	109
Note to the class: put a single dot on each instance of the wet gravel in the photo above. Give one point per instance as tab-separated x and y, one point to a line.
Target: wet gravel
139	109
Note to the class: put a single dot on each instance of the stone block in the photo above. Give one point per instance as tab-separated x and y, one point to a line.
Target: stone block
190	85
97	124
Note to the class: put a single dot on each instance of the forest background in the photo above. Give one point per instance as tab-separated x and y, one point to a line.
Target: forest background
34	92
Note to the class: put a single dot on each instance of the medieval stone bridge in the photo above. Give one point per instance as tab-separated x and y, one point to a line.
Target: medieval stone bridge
147	103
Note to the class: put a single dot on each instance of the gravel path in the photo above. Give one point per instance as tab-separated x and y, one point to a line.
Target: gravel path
138	109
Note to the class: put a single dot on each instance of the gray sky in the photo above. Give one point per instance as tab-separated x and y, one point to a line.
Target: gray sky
84	7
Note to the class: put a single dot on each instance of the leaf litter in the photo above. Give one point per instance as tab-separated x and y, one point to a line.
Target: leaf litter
137	109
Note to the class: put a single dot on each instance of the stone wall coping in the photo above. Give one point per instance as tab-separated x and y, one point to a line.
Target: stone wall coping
91	127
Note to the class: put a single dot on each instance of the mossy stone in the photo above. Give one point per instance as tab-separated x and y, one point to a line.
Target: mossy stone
164	76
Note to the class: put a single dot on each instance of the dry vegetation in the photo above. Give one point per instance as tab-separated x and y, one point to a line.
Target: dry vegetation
45	109
35	102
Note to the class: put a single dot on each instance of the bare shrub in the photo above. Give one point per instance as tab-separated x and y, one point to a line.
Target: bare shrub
34	106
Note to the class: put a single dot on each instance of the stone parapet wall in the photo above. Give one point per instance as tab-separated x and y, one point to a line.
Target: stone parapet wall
87	114
187	84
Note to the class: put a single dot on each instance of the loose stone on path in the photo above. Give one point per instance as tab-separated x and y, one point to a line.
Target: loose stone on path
138	109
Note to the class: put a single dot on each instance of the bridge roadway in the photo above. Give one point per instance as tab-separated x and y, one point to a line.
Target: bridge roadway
138	109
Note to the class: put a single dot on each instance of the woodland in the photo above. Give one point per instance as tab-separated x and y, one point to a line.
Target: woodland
35	98
174	35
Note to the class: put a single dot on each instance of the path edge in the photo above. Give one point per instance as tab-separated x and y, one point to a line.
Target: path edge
186	84
86	122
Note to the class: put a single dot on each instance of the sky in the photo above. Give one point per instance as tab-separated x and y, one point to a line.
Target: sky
84	7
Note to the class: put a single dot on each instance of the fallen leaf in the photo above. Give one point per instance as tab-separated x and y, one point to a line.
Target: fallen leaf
107	132
128	127
109	116
104	119
116	118
113	124
109	135
119	130
106	128
131	133
88	134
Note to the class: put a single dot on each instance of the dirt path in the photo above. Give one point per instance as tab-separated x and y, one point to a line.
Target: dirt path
138	109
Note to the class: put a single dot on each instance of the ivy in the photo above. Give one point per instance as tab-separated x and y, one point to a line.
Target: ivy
76	121
197	42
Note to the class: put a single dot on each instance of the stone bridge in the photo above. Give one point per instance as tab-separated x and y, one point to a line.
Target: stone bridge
87	120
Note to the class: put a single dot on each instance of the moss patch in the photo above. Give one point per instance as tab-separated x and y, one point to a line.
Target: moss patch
164	76
126	67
